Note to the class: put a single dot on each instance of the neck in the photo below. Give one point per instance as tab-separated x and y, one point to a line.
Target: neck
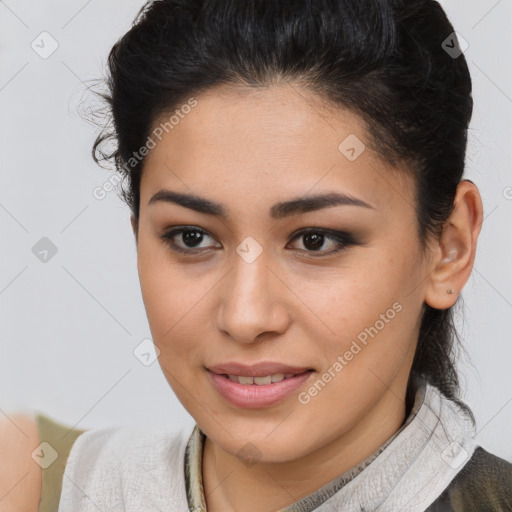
230	485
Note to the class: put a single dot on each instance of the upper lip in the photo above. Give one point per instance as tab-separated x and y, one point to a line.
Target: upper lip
256	370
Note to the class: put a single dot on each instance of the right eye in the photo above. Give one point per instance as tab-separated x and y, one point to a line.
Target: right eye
190	237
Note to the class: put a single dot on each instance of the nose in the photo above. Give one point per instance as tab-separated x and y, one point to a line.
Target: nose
253	302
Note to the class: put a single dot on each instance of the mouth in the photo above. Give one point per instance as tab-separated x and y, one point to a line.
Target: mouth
265	369
263	380
258	386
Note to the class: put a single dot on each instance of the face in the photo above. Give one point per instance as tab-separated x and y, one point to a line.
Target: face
331	289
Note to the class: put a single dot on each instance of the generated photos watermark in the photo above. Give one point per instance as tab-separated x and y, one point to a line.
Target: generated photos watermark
152	140
343	360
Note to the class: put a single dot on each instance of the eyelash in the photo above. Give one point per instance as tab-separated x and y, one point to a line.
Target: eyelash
341	237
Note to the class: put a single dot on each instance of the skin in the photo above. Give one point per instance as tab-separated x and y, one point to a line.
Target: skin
249	149
20	476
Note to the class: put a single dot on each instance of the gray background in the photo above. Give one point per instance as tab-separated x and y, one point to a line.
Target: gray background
69	326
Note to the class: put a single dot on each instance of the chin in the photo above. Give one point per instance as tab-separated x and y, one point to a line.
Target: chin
250	441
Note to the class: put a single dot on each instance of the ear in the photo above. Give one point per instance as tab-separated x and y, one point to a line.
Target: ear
135	227
454	253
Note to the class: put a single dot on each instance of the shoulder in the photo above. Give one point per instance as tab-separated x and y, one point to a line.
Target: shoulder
486	480
126	466
484	483
20	476
34	449
120	446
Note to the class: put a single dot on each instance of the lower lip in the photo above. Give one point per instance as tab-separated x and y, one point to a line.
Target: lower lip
252	396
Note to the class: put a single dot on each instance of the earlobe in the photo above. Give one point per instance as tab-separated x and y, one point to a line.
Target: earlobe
450	274
456	248
134	224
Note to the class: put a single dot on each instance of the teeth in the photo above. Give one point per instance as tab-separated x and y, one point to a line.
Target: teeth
260	381
263	380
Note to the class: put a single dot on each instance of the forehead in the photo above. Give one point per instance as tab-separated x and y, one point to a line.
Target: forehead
272	143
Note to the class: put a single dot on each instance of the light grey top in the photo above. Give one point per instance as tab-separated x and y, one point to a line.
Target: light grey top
131	469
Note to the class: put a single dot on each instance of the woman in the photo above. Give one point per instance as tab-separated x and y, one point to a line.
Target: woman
294	174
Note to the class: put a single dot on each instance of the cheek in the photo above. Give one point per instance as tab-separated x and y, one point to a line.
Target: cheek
174	303
347	300
365	313
162	289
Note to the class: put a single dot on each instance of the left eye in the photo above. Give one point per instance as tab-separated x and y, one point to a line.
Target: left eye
313	240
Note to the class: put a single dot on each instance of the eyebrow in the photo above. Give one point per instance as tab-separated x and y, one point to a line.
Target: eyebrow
278	211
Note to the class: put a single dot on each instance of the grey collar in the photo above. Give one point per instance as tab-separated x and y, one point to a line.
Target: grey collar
408	472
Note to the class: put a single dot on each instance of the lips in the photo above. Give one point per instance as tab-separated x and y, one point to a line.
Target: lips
247	385
242	394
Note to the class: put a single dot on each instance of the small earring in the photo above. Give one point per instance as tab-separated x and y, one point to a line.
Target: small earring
451	291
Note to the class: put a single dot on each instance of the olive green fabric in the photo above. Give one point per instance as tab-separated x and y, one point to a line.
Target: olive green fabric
483	485
61	438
